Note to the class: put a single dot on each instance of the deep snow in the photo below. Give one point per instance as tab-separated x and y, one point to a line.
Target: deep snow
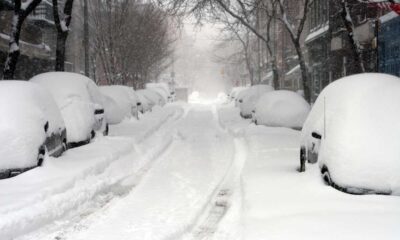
196	171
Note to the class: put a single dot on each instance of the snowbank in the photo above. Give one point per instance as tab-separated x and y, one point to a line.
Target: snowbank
360	132
25	108
282	109
248	98
77	97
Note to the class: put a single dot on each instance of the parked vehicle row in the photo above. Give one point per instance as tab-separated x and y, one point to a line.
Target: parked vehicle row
352	130
55	111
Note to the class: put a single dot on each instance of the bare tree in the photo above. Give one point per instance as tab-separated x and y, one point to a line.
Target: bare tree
349	25
295	28
62	22
132	41
21	12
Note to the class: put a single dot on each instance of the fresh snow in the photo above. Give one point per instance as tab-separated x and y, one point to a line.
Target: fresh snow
188	171
25	108
357	117
77	97
282	109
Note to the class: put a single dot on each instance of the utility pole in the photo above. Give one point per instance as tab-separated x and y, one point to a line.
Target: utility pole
86	36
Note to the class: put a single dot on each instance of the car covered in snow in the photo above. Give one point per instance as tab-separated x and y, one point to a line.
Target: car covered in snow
151	98
31	126
248	98
234	92
80	102
281	109
162	89
126	103
353	132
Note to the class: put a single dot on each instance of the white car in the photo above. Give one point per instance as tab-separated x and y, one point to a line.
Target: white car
353	132
247	99
126	102
234	92
31	126
153	97
162	89
80	102
281	109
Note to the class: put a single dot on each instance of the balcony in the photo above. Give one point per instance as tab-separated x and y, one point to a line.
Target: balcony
43	15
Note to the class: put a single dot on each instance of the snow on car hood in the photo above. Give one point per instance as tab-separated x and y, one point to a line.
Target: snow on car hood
360	144
25	108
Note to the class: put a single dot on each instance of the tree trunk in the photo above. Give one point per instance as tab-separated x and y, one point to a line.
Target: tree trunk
304	71
14	52
60	51
355	45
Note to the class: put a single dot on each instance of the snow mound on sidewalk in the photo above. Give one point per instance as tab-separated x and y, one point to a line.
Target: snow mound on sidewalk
360	144
282	109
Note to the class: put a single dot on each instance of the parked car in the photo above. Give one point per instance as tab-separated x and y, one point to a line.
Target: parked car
234	92
281	109
31	126
162	89
126	102
153	97
248	98
353	132
80	102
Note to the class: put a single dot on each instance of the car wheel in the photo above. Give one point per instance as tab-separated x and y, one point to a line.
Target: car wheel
326	175
92	134
302	159
64	145
41	155
105	133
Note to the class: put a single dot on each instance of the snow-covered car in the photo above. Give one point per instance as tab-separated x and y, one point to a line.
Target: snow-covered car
248	98
126	103
162	89
353	131
80	102
281	109
153	97
234	93
31	126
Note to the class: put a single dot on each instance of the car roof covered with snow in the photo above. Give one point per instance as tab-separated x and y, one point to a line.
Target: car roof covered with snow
124	97
358	118
247	99
282	109
25	109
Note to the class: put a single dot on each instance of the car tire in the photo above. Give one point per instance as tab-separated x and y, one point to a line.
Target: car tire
326	175
303	159
92	134
106	130
41	155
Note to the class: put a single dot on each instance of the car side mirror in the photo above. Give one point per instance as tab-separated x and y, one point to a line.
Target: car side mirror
241	100
316	135
138	104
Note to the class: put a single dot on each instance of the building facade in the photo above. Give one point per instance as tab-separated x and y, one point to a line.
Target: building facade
330	53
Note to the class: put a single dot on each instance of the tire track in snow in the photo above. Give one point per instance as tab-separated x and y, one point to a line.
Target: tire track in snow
221	202
101	192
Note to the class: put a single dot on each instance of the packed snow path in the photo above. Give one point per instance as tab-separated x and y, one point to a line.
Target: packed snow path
172	195
189	172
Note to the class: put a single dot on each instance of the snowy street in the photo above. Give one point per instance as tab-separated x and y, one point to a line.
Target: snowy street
194	171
